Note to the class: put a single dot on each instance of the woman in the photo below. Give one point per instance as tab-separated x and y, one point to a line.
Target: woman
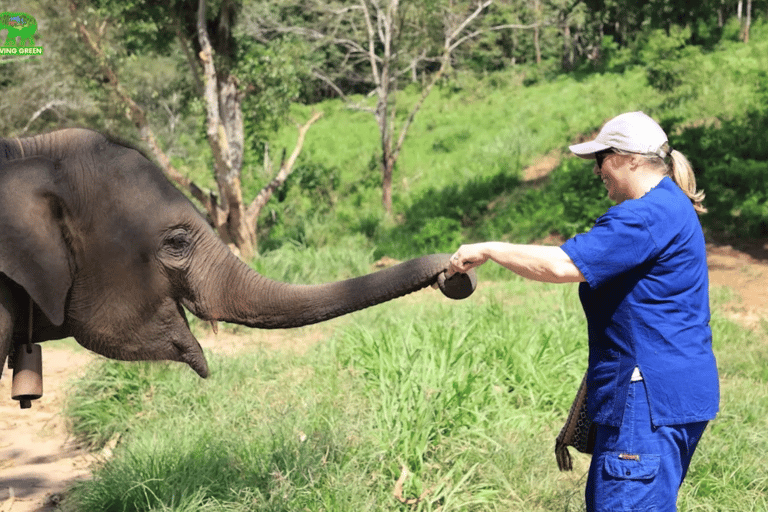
652	378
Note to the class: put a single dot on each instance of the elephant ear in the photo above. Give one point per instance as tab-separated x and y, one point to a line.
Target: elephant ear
33	249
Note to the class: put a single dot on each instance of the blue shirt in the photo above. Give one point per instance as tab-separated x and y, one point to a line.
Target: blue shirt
646	299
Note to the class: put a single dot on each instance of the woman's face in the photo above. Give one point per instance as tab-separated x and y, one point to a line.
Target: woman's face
613	169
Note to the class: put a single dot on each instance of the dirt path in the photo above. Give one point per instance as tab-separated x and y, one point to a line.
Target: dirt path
38	461
745	271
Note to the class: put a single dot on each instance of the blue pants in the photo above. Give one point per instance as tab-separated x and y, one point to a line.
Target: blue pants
639	467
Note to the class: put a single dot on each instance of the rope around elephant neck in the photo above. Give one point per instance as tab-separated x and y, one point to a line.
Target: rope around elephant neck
21	146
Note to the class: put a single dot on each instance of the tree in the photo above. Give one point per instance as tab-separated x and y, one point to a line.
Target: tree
378	43
747	22
215	75
27	109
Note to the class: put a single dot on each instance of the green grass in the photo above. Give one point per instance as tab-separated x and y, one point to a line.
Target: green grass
468	396
467	148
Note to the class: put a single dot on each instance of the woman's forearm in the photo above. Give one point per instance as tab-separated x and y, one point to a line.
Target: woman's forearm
538	262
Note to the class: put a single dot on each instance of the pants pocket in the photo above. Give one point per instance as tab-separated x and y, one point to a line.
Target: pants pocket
628	466
628	482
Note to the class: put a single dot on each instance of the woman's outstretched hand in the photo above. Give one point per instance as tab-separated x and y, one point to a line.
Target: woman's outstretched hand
466	258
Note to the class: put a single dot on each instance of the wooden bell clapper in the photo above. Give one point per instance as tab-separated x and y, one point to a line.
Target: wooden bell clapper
27	370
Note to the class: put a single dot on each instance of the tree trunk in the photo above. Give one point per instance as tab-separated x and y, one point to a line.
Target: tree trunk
748	23
720	20
384	29
386	121
225	136
387	166
536	42
567	48
386	125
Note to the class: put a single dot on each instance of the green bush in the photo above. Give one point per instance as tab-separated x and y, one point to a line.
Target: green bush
582	195
666	56
732	169
568	203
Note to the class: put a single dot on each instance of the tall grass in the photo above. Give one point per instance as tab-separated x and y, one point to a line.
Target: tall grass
467	397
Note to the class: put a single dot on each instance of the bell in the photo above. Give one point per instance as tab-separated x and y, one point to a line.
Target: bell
27	374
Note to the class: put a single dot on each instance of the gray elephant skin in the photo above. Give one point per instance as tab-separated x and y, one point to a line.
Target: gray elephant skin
102	247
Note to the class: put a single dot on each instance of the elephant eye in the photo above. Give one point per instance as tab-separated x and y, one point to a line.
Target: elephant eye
177	242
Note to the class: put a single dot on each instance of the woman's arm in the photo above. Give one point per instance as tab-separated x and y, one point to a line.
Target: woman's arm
538	262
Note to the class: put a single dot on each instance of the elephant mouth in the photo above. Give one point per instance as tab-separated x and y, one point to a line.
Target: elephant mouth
188	348
166	337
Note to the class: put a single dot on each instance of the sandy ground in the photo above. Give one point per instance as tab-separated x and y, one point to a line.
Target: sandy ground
38	460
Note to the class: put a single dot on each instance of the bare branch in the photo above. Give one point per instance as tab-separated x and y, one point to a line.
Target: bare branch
286	167
316	35
468	20
217	137
371	45
476	33
48	106
321	76
361	108
409	121
194	68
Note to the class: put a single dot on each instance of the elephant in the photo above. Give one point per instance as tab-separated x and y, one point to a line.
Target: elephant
97	244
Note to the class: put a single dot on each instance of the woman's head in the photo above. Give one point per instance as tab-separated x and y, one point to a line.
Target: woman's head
640	144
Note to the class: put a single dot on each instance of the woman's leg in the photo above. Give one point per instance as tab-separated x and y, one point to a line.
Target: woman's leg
639	467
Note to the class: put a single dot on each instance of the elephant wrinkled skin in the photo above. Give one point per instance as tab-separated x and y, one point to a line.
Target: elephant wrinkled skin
104	248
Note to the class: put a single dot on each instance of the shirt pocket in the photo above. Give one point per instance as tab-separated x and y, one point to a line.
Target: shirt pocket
626	466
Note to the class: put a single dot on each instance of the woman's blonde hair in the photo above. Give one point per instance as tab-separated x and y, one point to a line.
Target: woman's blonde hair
681	172
679	169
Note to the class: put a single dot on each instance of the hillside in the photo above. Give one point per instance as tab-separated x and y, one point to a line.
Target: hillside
460	175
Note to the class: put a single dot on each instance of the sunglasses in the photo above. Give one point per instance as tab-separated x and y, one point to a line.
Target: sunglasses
600	157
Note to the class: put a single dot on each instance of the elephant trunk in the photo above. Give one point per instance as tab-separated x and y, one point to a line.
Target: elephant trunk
253	300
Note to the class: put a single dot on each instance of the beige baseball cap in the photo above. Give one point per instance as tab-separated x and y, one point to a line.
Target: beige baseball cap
635	132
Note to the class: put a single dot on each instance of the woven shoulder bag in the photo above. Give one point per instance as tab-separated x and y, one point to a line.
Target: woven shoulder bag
578	431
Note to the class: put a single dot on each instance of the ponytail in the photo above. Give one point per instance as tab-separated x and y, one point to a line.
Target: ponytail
682	175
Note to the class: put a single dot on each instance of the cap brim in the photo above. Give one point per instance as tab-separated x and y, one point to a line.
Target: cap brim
587	150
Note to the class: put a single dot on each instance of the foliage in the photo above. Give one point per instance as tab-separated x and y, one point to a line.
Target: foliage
28	108
271	76
665	56
735	167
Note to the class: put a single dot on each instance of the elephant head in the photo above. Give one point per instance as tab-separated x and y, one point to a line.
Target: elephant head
102	247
